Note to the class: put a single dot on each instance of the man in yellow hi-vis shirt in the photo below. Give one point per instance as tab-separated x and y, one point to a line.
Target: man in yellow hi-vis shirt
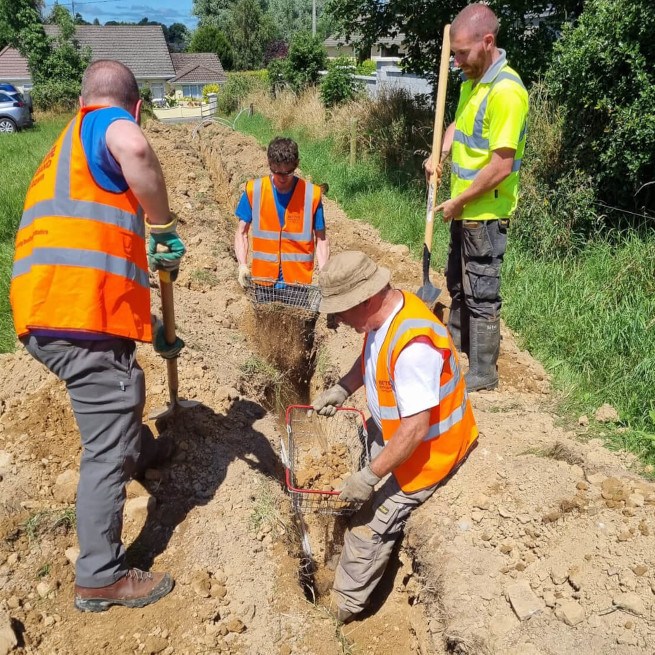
487	140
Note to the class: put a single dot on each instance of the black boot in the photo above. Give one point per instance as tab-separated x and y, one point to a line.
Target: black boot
485	346
458	326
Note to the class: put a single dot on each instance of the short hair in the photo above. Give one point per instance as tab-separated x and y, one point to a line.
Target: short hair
478	19
109	80
282	151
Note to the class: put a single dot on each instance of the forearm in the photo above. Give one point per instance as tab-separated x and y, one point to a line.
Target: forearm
241	246
402	445
447	141
322	251
354	379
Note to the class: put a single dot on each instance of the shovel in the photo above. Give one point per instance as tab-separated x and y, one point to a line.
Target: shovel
168	311
428	293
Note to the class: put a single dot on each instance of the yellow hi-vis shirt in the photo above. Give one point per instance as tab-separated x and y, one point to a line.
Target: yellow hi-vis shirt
491	114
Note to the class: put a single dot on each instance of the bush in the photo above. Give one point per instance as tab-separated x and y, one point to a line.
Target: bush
56	95
307	57
209	88
367	67
277	75
340	85
238	86
602	73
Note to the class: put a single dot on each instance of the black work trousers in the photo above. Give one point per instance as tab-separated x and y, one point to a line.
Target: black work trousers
475	256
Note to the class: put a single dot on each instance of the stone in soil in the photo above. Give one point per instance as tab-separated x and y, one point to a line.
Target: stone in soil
523	600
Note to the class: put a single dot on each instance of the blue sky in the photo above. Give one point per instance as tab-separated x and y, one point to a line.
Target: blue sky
163	11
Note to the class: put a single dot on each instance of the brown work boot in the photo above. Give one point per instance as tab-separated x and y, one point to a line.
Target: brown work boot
136	589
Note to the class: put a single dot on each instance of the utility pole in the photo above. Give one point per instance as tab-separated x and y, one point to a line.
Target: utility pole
313	17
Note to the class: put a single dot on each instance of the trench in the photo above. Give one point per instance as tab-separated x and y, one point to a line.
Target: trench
288	341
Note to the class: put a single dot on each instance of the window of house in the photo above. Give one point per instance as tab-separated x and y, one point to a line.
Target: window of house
192	90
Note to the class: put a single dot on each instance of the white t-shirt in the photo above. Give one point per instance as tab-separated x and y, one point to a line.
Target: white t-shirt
417	374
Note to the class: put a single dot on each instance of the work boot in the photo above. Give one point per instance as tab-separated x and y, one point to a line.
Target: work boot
344	615
458	327
135	589
485	346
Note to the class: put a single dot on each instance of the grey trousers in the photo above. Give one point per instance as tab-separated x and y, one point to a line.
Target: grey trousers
373	532
107	391
475	257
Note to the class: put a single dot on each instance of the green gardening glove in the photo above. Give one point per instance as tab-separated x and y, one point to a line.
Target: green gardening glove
167	256
162	348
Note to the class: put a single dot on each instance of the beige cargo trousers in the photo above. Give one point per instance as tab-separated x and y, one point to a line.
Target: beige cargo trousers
371	536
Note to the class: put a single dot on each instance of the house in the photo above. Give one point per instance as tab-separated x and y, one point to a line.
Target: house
384	47
142	48
193	71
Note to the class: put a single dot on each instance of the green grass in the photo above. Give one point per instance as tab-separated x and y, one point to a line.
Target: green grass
590	318
21	154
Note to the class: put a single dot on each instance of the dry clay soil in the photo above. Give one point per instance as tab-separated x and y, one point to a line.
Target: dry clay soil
543	542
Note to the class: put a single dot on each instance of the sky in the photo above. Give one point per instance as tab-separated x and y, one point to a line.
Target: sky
162	11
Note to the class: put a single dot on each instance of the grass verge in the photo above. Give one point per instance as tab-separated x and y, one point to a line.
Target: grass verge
21	154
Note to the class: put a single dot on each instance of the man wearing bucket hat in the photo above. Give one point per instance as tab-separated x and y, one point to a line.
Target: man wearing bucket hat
423	424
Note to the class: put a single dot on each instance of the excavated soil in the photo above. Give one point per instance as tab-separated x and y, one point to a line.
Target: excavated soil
542	543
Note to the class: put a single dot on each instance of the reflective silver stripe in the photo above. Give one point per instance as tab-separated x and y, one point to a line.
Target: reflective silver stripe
388	413
307	220
93	211
62	180
446	389
297	257
264	256
516	165
413	323
472	141
506	75
445	425
82	259
464	173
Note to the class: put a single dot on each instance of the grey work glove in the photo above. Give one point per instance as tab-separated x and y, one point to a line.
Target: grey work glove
359	486
326	404
244	276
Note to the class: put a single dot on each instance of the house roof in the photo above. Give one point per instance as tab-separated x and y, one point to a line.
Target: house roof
335	41
142	48
12	65
197	67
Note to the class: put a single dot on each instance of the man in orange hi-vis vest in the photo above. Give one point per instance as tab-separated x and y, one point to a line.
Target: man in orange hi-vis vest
284	215
80	298
422	424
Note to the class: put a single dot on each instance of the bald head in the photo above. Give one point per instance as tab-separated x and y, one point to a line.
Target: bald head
109	82
475	20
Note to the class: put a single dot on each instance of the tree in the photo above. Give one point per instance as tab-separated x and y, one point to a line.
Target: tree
603	74
250	30
56	65
208	38
528	28
213	12
307	57
96	21
177	38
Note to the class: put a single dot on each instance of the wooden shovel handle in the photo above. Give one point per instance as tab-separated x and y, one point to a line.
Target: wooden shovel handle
437	136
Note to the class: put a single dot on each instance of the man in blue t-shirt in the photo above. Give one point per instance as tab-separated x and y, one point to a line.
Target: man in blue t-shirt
283	159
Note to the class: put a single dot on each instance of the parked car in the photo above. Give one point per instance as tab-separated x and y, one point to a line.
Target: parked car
14	113
26	96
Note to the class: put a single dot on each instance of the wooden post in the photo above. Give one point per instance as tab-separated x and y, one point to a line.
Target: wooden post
353	142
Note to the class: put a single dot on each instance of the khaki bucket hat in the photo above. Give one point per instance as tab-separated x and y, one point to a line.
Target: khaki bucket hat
348	279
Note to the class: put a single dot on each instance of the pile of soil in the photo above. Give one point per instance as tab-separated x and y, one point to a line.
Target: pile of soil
542	543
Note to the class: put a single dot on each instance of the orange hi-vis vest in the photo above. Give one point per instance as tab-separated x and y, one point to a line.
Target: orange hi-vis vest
80	261
290	247
452	426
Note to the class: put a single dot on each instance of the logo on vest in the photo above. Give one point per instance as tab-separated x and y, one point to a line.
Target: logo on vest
385	385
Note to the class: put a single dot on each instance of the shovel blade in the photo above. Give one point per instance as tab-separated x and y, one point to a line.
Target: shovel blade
171	408
428	293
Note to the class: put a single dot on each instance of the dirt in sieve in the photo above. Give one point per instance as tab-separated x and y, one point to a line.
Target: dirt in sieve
537	514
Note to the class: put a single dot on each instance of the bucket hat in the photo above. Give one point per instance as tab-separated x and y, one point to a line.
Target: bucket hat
348	279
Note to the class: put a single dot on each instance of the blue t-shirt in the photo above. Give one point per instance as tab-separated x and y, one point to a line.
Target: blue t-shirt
244	210
104	168
106	172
